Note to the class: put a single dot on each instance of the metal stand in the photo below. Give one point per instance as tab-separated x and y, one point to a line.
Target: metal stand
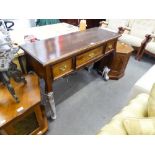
90	68
7	68
105	72
14	73
6	81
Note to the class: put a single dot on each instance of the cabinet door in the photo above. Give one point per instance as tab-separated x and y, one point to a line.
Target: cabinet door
111	45
32	122
23	126
118	66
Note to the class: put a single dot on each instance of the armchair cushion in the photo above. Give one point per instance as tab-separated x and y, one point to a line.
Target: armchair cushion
115	23
151	102
136	108
115	127
142	27
144	84
131	40
140	126
151	47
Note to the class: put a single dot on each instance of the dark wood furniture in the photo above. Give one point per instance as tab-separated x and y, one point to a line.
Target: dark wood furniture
57	57
74	22
90	22
25	117
116	61
120	60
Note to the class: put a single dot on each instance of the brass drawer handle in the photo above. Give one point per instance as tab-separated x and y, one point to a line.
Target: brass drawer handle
91	54
63	68
109	46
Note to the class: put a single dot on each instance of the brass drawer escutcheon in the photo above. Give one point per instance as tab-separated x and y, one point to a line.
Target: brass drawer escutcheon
91	55
110	46
84	58
63	68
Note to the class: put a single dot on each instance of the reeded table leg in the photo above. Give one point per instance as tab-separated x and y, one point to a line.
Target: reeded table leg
50	101
49	92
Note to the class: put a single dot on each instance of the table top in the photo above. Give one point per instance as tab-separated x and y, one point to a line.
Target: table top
29	96
123	48
42	32
50	50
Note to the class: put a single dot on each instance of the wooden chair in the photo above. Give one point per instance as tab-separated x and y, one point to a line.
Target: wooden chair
148	47
137	34
113	24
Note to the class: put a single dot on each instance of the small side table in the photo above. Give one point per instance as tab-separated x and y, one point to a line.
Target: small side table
120	61
27	116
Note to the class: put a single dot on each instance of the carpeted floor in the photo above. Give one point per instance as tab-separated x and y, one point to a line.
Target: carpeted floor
86	102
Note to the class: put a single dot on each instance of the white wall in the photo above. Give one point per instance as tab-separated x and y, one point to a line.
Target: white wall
23	23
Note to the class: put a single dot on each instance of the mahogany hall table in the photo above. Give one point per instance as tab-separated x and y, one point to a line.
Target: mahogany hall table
57	57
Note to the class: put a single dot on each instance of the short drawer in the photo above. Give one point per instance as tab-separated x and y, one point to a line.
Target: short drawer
62	68
88	56
110	46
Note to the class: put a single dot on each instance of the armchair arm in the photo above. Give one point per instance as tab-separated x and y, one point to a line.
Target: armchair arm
103	23
153	36
127	28
121	30
147	39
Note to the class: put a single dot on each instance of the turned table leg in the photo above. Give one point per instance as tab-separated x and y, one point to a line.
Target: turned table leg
51	104
49	93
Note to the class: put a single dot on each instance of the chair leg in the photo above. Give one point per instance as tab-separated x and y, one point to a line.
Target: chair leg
138	53
141	55
142	47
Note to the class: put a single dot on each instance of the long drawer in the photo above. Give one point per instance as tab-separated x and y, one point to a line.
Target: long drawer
83	59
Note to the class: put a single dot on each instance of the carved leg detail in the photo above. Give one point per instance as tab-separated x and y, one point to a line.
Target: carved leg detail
16	74
51	103
6	81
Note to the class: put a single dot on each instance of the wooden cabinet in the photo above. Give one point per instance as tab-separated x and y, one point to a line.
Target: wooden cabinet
74	22
25	117
120	61
90	22
116	61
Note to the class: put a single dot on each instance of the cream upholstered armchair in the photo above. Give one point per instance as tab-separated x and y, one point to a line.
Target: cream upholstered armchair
114	24
149	47
138	33
138	117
